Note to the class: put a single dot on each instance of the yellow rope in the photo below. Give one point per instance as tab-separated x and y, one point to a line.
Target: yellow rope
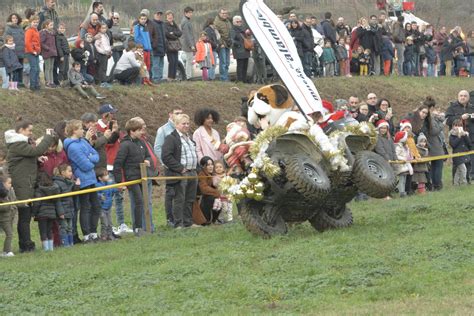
428	159
111	186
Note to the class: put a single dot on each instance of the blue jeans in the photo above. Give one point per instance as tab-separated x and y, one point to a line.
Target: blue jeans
118	200
212	70
157	64
307	61
409	67
34	71
4	75
150	205
224	62
86	76
437	174
431	70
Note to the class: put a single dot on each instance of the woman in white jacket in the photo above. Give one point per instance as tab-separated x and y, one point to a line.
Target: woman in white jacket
127	69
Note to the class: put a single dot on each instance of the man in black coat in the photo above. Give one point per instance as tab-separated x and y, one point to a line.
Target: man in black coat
463	109
328	29
371	37
159	50
308	46
180	159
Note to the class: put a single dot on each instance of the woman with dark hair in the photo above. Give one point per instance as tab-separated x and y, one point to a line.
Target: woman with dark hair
22	158
207	190
172	33
436	141
214	37
420	120
384	112
14	28
207	139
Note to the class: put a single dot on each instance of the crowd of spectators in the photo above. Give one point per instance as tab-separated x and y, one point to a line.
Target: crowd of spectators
94	151
103	54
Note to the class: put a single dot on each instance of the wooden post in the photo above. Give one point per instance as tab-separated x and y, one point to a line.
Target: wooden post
146	197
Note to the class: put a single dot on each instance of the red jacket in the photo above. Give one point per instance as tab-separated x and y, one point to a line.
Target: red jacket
32	41
111	150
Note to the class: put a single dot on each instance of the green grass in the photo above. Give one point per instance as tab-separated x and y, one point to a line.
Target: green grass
408	256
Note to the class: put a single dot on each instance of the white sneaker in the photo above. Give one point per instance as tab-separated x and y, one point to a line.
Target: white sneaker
115	230
123	228
8	254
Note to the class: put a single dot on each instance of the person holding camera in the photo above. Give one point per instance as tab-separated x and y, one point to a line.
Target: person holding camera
464	110
22	158
84	158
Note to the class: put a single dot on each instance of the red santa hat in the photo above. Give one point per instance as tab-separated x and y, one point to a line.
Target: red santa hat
405	123
401	137
381	123
328	107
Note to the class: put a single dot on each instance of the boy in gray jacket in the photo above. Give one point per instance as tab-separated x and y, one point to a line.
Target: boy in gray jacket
79	84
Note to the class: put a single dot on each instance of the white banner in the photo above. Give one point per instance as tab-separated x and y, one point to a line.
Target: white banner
276	41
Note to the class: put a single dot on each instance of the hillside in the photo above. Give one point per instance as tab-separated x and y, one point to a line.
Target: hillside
153	103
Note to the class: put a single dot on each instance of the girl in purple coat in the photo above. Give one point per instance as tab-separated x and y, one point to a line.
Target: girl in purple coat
48	51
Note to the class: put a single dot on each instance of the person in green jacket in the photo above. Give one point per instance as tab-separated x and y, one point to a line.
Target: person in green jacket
328	59
22	160
7	214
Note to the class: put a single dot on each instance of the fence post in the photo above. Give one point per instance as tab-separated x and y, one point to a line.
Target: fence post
146	197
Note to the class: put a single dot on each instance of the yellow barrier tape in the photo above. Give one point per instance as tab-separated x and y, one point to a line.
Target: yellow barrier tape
106	187
428	159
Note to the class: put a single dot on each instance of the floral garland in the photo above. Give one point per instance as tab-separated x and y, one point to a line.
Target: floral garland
252	187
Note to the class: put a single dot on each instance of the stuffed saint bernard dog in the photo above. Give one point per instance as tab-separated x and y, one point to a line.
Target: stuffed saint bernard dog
273	105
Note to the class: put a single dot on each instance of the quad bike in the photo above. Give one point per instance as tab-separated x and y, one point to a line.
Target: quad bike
307	188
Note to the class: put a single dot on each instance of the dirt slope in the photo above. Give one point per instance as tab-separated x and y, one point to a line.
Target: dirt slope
153	103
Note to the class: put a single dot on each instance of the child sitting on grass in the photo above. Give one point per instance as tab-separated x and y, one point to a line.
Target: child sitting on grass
106	198
144	73
222	203
46	212
460	143
7	214
63	178
79	84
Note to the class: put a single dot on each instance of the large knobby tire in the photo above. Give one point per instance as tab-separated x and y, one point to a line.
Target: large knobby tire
339	217
373	175
255	217
308	178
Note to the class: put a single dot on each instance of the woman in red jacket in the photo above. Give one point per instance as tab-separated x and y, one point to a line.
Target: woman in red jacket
33	50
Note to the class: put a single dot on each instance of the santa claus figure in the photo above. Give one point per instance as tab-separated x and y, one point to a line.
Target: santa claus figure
238	140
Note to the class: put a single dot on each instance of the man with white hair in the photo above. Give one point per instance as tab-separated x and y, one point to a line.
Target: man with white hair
241	54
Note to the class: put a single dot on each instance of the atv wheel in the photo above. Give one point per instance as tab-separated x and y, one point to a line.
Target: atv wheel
308	178
373	175
336	218
262	219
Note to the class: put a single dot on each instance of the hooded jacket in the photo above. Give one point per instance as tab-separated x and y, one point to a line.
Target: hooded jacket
83	159
22	162
49	209
10	59
459	144
48	44
66	186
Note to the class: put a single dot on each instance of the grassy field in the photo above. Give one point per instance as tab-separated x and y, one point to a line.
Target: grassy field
404	256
